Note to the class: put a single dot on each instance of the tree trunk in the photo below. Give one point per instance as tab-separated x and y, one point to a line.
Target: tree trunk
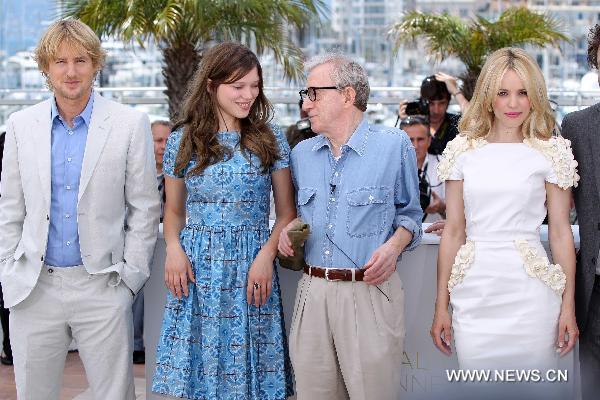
469	79
181	61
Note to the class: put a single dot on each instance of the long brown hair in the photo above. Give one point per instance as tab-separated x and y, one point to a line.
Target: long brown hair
224	63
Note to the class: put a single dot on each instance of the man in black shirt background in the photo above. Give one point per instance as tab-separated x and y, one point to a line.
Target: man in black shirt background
437	90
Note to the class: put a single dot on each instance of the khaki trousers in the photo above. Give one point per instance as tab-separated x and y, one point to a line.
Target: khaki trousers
346	339
69	303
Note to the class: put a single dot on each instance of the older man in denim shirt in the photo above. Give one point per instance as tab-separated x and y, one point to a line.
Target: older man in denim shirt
357	187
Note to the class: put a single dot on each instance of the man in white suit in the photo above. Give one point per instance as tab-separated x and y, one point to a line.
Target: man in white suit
78	223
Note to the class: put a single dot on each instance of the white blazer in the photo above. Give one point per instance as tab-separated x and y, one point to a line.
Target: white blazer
117	184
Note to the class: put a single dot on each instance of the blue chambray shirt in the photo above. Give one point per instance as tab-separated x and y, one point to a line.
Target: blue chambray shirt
68	147
354	204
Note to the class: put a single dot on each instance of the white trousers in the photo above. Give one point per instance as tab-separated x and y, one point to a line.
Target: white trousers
346	339
69	303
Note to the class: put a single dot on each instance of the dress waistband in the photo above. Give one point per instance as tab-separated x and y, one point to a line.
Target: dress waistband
494	237
226	228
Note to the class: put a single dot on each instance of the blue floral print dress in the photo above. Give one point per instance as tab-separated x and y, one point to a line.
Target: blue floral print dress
213	345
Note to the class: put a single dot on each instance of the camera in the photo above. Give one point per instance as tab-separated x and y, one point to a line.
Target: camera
303	124
424	192
419	107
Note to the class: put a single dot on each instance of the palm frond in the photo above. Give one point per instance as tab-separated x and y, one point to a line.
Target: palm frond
518	26
471	42
183	28
443	34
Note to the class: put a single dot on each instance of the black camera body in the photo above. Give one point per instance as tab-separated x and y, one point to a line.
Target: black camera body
418	107
424	192
303	124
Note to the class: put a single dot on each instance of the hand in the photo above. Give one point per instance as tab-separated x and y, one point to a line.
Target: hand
441	331
178	270
285	244
382	264
259	279
567	331
437	227
402	109
437	205
449	80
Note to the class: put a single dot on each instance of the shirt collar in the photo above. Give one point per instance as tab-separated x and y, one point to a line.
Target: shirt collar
321	142
357	141
86	114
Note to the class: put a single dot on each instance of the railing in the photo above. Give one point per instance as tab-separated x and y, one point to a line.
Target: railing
383	101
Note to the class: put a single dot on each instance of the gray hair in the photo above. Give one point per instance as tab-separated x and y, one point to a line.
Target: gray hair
346	72
162	122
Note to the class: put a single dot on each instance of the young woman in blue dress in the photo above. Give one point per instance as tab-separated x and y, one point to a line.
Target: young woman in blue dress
223	333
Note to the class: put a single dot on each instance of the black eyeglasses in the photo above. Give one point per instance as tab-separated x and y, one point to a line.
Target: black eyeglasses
311	92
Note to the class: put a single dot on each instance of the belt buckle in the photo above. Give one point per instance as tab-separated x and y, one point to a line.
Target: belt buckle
327	276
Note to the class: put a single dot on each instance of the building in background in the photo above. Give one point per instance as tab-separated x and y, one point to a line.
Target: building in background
356	27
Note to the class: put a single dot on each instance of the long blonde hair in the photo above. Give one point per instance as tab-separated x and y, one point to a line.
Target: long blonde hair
479	116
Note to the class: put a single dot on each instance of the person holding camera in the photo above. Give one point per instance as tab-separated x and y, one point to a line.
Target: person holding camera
431	190
436	91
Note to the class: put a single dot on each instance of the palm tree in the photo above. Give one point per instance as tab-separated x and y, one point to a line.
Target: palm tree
471	42
184	28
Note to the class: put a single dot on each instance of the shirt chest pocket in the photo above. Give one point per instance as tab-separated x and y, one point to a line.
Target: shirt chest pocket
368	211
306	204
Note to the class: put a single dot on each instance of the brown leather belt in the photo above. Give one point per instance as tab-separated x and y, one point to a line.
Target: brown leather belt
335	274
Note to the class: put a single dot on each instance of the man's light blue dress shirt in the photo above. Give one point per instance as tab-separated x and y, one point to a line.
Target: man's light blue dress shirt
354	204
68	147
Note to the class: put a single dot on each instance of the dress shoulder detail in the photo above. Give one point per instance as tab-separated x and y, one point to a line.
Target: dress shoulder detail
455	148
558	151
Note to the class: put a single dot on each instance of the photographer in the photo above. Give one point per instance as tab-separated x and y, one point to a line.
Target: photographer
300	130
436	91
431	190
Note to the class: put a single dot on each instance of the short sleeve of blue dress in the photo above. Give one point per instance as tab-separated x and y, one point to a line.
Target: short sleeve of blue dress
170	155
284	149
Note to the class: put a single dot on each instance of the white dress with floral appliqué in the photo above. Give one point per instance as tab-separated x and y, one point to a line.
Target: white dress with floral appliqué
505	294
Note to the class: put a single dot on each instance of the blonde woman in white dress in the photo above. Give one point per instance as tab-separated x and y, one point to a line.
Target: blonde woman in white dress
511	307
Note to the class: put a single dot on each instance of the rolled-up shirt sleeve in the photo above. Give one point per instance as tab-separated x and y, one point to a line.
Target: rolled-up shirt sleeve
406	195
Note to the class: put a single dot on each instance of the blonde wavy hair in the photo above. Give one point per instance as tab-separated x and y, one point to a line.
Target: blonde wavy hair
478	119
74	33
